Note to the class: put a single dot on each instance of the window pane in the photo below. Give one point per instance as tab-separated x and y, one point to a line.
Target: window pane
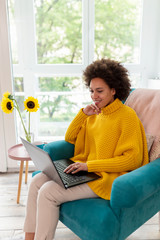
19	96
60	99
56	112
18	84
20	131
117	29
55	118
59	83
59	31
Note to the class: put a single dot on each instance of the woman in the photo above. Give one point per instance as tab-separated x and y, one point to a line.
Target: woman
109	140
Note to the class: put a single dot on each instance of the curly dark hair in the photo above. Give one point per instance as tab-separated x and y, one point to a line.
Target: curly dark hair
112	72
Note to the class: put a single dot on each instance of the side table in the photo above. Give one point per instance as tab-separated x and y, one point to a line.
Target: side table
19	153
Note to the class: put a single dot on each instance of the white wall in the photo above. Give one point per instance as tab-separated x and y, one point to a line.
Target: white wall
150	44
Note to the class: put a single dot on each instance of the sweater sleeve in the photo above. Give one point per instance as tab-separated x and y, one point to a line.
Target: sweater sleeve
123	163
128	154
75	126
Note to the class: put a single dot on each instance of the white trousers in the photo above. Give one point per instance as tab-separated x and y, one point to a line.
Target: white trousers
44	199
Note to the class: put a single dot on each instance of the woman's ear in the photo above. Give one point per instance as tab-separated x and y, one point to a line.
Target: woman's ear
113	91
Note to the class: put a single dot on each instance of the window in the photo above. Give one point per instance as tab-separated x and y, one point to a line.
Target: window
117	30
58	31
53	41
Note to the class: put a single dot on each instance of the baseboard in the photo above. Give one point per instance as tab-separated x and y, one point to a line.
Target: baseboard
16	169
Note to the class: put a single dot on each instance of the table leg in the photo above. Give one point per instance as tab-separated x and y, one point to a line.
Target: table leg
20	180
26	172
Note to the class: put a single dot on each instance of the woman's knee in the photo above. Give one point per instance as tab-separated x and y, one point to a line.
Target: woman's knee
49	192
38	180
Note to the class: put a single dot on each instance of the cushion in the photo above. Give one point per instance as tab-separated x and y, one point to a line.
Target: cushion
155	149
145	102
150	140
83	216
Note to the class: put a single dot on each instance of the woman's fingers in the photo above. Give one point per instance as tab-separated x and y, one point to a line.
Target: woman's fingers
96	109
76	167
71	168
91	109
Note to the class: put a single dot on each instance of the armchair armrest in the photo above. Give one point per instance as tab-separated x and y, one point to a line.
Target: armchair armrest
130	189
59	149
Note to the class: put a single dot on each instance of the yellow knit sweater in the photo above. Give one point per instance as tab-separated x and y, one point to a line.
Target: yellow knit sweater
111	143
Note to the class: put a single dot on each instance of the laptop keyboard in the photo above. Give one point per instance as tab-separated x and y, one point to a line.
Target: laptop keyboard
69	178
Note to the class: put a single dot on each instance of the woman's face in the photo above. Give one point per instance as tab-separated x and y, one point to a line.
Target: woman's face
101	94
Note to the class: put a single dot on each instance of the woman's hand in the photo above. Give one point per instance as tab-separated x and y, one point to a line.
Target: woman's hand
91	109
76	167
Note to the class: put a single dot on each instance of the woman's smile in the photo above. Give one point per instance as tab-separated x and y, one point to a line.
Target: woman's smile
97	101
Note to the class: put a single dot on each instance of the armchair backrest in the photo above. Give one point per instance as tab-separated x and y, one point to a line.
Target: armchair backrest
146	103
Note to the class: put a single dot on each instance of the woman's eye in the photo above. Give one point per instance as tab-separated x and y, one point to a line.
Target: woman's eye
99	91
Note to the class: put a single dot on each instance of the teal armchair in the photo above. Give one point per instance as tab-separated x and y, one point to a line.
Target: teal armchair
135	198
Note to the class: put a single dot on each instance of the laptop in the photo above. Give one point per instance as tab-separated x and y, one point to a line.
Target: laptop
55	169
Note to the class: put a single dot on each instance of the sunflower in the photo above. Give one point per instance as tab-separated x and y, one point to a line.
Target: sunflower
31	104
8	95
7	105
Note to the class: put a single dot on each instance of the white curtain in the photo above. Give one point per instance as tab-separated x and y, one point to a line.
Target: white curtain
7	126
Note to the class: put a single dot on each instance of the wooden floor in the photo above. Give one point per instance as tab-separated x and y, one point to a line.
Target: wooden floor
12	214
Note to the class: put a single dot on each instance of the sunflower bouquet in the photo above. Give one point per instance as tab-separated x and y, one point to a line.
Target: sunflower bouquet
30	105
